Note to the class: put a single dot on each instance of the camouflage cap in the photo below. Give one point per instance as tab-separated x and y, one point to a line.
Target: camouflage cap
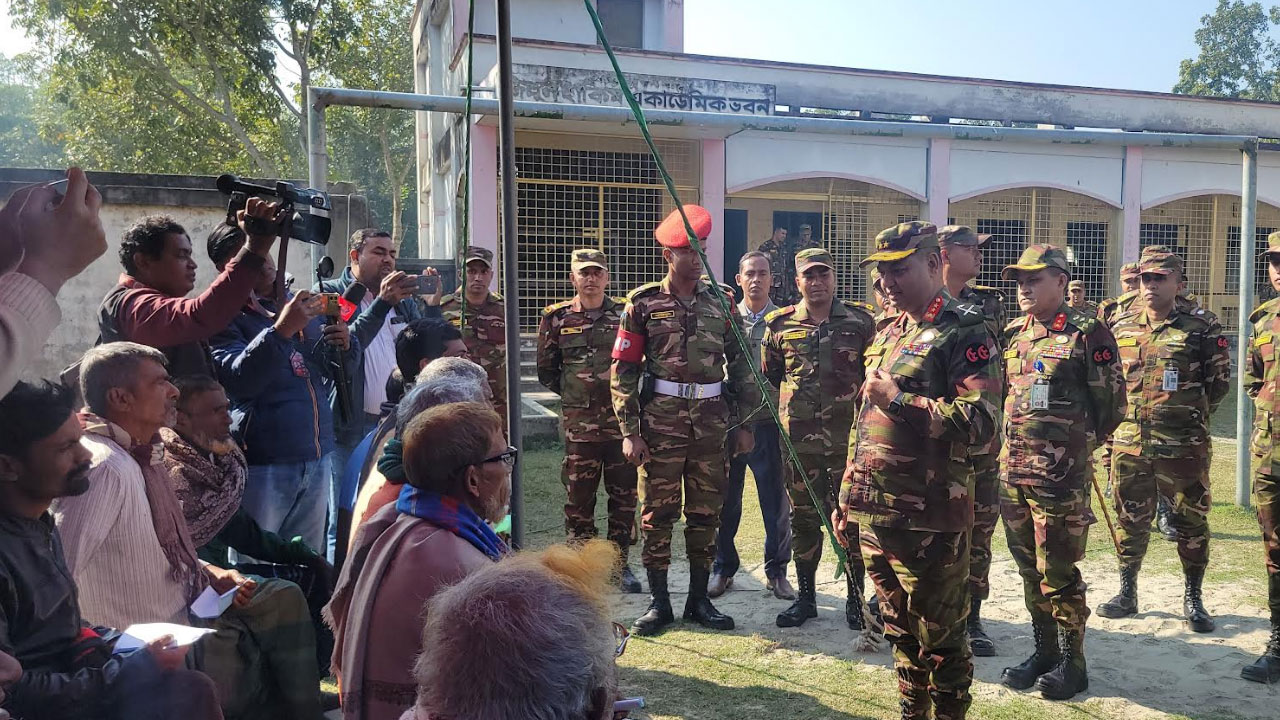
962	235
587	257
1076	284
876	281
811	257
1160	264
806	226
1273	246
1038	257
899	241
1129	270
479	254
1150	250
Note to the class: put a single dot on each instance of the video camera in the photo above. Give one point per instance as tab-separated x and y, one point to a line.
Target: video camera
310	208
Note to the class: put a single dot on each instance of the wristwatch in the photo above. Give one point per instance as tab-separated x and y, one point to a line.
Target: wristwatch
895	405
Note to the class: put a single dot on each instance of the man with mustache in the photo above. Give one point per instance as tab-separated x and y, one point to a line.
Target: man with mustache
1177	368
480	315
67	669
574	343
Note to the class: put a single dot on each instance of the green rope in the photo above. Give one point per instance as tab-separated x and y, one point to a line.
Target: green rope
667	180
464	236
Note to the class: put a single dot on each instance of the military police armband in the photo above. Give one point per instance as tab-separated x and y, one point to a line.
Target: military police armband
628	346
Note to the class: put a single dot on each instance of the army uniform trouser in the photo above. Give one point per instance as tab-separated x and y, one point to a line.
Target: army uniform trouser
585	464
921	578
1266	498
986	515
1047	529
808	535
1184	483
688	471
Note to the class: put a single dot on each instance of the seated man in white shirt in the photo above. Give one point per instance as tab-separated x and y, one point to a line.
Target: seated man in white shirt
132	558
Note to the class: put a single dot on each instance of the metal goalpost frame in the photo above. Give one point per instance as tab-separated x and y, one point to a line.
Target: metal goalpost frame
321	98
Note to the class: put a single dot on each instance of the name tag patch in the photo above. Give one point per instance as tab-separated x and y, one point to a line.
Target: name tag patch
795	335
662	314
1127	342
570	331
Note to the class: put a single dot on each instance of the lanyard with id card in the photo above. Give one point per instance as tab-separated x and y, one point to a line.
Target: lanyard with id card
1170	383
1040	388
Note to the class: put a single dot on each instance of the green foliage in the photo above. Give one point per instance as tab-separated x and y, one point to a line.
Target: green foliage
1238	55
204	88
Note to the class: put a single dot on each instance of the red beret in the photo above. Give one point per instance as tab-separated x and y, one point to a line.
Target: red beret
671	232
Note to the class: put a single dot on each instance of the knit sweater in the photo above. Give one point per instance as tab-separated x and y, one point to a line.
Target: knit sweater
28	315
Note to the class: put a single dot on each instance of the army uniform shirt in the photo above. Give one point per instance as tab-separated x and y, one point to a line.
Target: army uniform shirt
992	303
684	343
1176	372
1065	395
818	369
913	470
782	266
1260	375
574	361
485	335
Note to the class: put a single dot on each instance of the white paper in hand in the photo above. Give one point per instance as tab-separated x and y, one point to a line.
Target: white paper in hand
143	634
211	605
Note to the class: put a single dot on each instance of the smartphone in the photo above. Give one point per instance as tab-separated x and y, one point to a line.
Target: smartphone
330	303
59	187
427	284
628	704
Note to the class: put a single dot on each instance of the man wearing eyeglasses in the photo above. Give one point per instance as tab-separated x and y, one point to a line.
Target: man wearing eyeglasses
681	335
962	263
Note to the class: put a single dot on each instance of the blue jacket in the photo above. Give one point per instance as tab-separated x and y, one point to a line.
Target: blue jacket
364	327
281	403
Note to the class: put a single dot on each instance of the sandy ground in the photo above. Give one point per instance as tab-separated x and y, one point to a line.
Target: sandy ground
1146	666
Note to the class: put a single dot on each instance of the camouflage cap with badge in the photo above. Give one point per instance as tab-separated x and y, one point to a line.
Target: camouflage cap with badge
1129	271
587	257
1074	284
814	257
962	235
902	240
1160	264
1037	257
1272	253
478	254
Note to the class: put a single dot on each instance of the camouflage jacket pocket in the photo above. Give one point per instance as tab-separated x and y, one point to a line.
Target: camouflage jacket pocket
1260	443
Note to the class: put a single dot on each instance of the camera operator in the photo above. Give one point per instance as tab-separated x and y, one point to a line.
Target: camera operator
389	304
149	304
279	370
44	242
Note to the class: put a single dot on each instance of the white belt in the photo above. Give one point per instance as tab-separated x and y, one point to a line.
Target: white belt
691	391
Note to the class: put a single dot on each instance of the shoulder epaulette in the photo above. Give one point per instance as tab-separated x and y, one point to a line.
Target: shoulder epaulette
1083	320
646	289
968	313
1267	308
1018	322
556	306
988	290
780	312
448	299
495	297
864	307
619	300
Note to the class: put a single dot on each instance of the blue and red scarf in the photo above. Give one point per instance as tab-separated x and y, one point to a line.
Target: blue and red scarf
452	515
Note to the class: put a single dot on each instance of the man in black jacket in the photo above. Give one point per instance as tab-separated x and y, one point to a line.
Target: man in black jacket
68	668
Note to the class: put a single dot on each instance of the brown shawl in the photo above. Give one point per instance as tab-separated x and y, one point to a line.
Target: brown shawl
166	512
208	483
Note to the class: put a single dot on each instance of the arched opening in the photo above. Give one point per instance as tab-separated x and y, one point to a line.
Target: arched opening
1082	225
1205	227
844	216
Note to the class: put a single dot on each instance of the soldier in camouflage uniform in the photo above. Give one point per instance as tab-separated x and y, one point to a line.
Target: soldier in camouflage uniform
1261	374
782	264
1065	395
1177	369
1077	300
887	312
929	397
812	352
575	341
679	336
484	328
961	263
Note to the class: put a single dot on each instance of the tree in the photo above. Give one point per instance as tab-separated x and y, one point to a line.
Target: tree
20	141
1238	55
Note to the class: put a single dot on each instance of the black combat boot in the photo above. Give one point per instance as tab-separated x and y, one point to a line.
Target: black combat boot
698	607
1266	669
1125	603
1198	619
913	694
853	601
1070	676
980	644
1163	513
659	614
1044	659
806	604
629	583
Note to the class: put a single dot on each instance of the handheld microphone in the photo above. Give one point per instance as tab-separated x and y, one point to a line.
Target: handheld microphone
351	300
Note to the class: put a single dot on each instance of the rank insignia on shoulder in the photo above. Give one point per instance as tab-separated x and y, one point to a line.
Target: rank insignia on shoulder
1059	322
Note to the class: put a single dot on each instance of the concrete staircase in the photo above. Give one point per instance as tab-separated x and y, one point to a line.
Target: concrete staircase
540	418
